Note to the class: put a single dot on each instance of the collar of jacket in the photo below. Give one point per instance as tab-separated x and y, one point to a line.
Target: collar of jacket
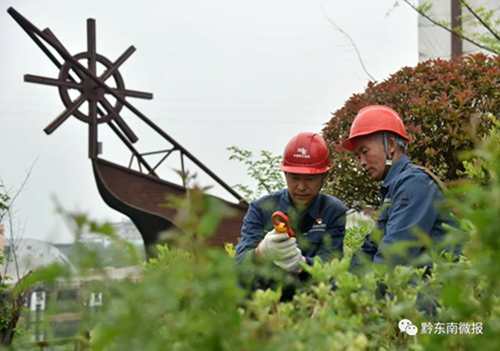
396	168
313	209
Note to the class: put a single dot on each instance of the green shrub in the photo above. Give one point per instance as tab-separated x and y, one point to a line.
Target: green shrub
188	297
264	171
355	317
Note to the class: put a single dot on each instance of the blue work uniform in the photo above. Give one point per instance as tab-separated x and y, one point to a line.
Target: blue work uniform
320	228
410	199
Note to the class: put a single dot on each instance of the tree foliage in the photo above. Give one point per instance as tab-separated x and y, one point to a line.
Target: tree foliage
445	106
4	201
188	297
264	171
479	25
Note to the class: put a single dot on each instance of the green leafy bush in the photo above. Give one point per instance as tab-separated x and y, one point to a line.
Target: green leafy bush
437	100
192	300
188	297
4	201
264	171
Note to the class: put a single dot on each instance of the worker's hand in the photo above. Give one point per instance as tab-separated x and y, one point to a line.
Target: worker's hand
291	263
276	246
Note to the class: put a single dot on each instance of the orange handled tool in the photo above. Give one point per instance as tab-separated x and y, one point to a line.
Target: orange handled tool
281	223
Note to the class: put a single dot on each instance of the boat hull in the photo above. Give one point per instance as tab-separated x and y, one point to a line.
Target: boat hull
142	197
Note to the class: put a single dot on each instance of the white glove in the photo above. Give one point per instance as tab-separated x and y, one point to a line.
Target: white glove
276	246
291	263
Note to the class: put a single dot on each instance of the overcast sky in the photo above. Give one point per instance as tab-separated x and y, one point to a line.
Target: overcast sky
223	72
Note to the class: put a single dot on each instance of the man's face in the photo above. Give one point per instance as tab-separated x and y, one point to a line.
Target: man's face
303	188
369	151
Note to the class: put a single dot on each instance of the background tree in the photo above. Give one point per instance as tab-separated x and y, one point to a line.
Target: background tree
264	170
4	201
12	297
437	100
7	199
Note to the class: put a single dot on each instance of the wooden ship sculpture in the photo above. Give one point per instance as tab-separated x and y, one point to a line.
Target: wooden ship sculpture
137	193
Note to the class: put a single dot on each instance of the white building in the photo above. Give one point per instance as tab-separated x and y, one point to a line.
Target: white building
28	255
125	230
434	41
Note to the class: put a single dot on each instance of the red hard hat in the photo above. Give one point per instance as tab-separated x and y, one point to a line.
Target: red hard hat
306	153
373	119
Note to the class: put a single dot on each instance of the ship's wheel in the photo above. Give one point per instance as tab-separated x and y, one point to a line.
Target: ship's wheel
90	90
91	80
81	85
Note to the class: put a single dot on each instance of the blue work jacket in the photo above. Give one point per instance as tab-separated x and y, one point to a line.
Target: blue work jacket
319	229
410	199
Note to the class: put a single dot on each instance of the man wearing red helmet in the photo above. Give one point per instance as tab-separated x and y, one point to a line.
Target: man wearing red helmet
409	193
317	219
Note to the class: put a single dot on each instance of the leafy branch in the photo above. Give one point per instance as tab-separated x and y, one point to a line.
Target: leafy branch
264	171
6	202
423	10
480	20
